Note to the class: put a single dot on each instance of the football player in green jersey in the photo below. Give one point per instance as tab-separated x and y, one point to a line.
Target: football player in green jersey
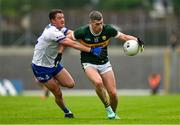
98	69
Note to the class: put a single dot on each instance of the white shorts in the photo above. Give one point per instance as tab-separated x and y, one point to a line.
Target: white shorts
101	68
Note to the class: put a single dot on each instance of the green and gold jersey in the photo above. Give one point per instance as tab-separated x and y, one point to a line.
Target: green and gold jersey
85	36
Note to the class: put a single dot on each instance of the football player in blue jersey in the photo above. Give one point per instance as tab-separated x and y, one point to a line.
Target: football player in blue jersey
47	56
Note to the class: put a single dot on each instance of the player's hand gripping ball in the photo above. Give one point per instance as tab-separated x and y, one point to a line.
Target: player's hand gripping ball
131	47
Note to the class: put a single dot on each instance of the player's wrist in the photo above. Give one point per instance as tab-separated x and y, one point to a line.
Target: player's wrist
58	59
90	50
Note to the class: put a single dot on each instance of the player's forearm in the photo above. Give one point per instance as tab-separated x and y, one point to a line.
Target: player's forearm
125	37
75	45
81	47
129	37
61	48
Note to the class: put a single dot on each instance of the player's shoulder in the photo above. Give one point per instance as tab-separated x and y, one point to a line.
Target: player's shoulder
109	26
81	30
51	28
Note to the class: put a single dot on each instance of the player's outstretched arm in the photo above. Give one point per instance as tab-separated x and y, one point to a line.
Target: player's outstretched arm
125	37
76	45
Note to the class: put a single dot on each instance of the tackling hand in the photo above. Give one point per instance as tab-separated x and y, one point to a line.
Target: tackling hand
58	59
141	44
98	51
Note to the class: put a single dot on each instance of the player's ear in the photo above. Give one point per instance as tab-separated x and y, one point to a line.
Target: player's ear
52	21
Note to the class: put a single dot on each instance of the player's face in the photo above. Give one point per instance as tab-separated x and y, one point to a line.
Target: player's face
59	20
97	26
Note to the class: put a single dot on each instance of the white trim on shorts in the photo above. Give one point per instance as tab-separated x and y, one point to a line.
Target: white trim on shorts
101	68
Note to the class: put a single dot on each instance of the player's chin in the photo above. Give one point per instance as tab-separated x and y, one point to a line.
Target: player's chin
62	24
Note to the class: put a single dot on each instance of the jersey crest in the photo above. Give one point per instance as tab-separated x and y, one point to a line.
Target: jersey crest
104	37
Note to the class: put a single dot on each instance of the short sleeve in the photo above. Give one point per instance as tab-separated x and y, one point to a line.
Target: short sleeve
64	30
112	30
78	34
57	36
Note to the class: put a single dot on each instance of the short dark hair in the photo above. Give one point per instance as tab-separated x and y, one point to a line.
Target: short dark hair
95	15
53	13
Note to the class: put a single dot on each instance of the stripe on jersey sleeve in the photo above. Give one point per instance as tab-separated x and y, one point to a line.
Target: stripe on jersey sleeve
65	32
59	40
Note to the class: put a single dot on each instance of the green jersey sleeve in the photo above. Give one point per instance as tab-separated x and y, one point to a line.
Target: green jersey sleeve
79	33
111	30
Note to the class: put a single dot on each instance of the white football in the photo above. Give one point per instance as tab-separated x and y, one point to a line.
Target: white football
131	47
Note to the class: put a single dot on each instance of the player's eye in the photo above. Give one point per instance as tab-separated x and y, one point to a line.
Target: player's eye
58	18
98	24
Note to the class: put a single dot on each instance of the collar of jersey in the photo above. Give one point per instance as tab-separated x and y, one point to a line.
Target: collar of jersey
91	30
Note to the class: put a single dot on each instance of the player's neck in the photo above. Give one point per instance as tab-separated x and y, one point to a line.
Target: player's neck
92	31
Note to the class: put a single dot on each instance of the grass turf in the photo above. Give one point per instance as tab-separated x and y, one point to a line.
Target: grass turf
89	110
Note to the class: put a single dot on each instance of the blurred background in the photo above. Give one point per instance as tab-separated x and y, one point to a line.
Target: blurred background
156	22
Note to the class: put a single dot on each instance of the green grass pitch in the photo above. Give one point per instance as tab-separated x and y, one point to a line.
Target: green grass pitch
89	110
